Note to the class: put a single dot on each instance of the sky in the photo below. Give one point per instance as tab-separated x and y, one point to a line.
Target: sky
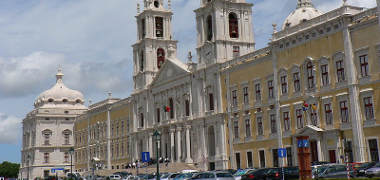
91	40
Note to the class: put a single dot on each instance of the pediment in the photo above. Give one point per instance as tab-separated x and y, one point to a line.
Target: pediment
308	130
170	70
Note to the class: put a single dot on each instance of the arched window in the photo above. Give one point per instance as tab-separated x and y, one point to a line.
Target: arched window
159	26
141	61
234	25
143	29
209	32
160	57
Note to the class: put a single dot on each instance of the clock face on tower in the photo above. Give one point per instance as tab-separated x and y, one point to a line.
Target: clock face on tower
208	53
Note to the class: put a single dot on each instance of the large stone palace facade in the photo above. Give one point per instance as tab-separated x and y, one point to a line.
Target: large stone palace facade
235	106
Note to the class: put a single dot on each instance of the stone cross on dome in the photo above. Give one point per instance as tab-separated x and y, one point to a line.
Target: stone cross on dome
304	3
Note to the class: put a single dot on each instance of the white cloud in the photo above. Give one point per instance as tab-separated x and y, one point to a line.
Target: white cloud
32	74
10	129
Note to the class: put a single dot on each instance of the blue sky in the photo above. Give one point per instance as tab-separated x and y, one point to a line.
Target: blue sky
92	41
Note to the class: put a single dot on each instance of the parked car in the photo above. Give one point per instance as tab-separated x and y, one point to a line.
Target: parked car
336	171
114	177
277	173
241	172
373	171
359	169
169	176
216	175
184	176
257	174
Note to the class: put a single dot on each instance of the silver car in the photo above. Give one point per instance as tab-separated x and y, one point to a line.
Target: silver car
213	176
374	171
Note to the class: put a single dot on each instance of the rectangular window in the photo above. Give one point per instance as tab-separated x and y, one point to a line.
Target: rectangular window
236	129
373	149
187	107
46	157
141	121
284	85
313	117
171	106
348	151
296	82
67	138
234	98
343	111
286	121
249	160
245	95
247	128
310	76
47	139
364	67
262	158
158	115
325	74
368	107
211	101
270	89
328	114
236	51
299	116
340	71
159	26
66	157
260	128
273	126
258	92
289	156
275	157
237	156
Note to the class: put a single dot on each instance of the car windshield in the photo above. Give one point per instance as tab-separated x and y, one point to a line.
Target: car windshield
240	172
165	175
223	175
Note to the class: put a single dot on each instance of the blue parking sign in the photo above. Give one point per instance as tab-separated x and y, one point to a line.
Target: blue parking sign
303	143
145	157
281	152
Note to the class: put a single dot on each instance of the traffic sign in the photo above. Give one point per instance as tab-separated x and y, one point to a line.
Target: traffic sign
304	143
145	157
57	169
281	152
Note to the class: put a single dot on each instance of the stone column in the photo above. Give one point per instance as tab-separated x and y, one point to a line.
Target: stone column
172	144
179	144
188	148
378	10
355	114
150	145
222	144
108	139
319	147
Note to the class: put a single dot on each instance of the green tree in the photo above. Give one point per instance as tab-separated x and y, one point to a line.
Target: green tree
9	170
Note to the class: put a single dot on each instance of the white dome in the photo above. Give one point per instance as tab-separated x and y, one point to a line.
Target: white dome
304	12
59	94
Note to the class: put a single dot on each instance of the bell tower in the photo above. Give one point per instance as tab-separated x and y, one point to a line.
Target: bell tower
224	29
154	43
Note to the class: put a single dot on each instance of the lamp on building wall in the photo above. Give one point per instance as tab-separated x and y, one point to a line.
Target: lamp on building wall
71	151
157	137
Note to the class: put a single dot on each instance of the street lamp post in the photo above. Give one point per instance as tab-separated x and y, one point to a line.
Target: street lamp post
157	136
71	151
28	160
